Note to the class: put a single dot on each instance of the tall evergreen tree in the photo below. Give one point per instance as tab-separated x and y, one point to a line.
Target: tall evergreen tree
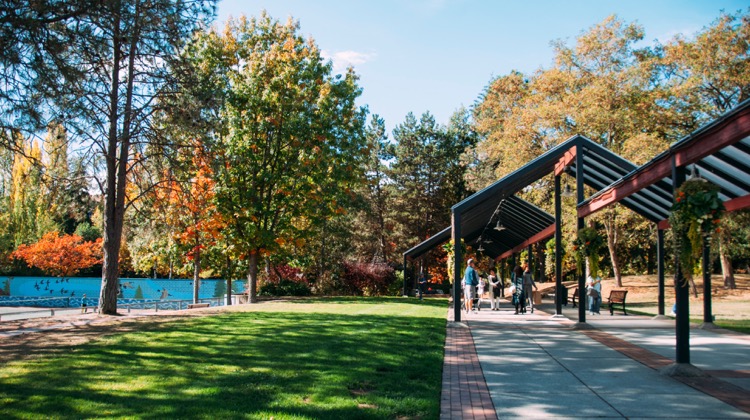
428	173
124	48
374	225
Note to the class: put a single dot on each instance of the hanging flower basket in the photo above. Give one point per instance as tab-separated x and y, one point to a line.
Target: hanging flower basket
696	215
587	246
448	248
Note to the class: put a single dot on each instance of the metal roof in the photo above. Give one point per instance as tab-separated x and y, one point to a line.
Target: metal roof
525	223
430	243
718	152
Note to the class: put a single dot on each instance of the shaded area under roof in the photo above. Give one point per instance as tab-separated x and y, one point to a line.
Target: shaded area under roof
524	223
718	152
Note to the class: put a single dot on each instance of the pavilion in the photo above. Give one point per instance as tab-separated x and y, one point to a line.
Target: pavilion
503	224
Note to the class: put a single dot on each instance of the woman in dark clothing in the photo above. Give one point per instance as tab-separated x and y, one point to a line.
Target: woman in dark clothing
519	299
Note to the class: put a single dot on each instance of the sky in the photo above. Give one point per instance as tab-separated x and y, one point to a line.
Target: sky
439	55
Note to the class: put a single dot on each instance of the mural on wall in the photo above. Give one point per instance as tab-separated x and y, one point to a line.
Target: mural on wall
130	288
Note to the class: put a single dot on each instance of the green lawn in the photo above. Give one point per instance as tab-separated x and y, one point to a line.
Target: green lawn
314	359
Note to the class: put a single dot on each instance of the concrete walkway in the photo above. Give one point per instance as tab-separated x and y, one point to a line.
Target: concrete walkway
536	366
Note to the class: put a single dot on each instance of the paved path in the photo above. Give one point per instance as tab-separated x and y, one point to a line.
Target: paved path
536	366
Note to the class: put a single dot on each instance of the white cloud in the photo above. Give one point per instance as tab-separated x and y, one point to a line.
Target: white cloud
345	59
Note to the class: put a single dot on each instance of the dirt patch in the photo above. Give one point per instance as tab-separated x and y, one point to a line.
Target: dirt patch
45	336
730	304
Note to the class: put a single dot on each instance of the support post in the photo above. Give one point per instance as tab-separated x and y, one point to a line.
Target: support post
406	291
558	248
660	268
457	259
579	200
708	317
682	294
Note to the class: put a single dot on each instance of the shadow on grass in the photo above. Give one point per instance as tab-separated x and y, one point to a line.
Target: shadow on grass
244	364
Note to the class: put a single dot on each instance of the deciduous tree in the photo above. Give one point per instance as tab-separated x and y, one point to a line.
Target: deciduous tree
295	139
60	255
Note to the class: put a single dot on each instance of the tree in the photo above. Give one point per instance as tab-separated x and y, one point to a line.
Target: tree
192	212
60	255
733	241
36	39
602	88
294	142
124	49
428	173
374	224
710	74
28	207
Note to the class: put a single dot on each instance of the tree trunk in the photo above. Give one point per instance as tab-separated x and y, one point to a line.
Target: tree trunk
611	228
252	277
112	229
196	276
229	281
541	263
726	269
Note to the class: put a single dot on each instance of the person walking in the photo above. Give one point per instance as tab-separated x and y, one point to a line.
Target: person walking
480	293
471	281
494	290
594	293
421	285
519	300
528	283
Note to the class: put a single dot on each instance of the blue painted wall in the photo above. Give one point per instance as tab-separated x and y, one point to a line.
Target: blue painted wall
75	287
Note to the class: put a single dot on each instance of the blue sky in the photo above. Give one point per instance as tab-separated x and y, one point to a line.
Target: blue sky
438	55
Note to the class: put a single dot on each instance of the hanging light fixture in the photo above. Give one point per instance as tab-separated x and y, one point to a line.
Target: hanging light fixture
499	226
567	191
480	249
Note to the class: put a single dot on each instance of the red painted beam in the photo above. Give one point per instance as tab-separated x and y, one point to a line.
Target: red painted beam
738	203
714	140
546	233
704	144
565	160
655	173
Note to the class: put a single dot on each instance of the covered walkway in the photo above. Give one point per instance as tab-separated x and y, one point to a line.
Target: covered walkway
535	366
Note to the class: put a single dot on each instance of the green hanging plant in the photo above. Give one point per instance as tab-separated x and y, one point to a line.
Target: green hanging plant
696	215
448	248
587	246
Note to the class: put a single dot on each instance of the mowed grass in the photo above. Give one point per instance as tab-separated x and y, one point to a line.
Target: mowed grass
312	359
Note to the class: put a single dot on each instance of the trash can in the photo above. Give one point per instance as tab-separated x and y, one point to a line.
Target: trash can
564	294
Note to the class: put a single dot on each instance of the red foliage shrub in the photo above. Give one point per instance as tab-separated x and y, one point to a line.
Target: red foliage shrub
367	279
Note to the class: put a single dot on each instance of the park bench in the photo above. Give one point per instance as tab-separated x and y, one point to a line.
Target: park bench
198	305
617	297
573	296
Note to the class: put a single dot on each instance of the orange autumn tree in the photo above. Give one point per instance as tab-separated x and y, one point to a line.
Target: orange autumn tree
192	212
61	255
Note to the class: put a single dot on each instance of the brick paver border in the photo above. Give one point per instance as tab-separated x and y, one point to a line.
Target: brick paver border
465	394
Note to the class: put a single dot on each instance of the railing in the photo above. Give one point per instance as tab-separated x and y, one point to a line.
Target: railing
170	305
67	305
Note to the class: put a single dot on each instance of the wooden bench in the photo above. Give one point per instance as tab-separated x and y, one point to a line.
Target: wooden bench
572	296
617	297
198	305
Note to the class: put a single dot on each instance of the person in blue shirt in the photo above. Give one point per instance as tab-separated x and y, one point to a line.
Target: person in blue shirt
421	284
471	280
